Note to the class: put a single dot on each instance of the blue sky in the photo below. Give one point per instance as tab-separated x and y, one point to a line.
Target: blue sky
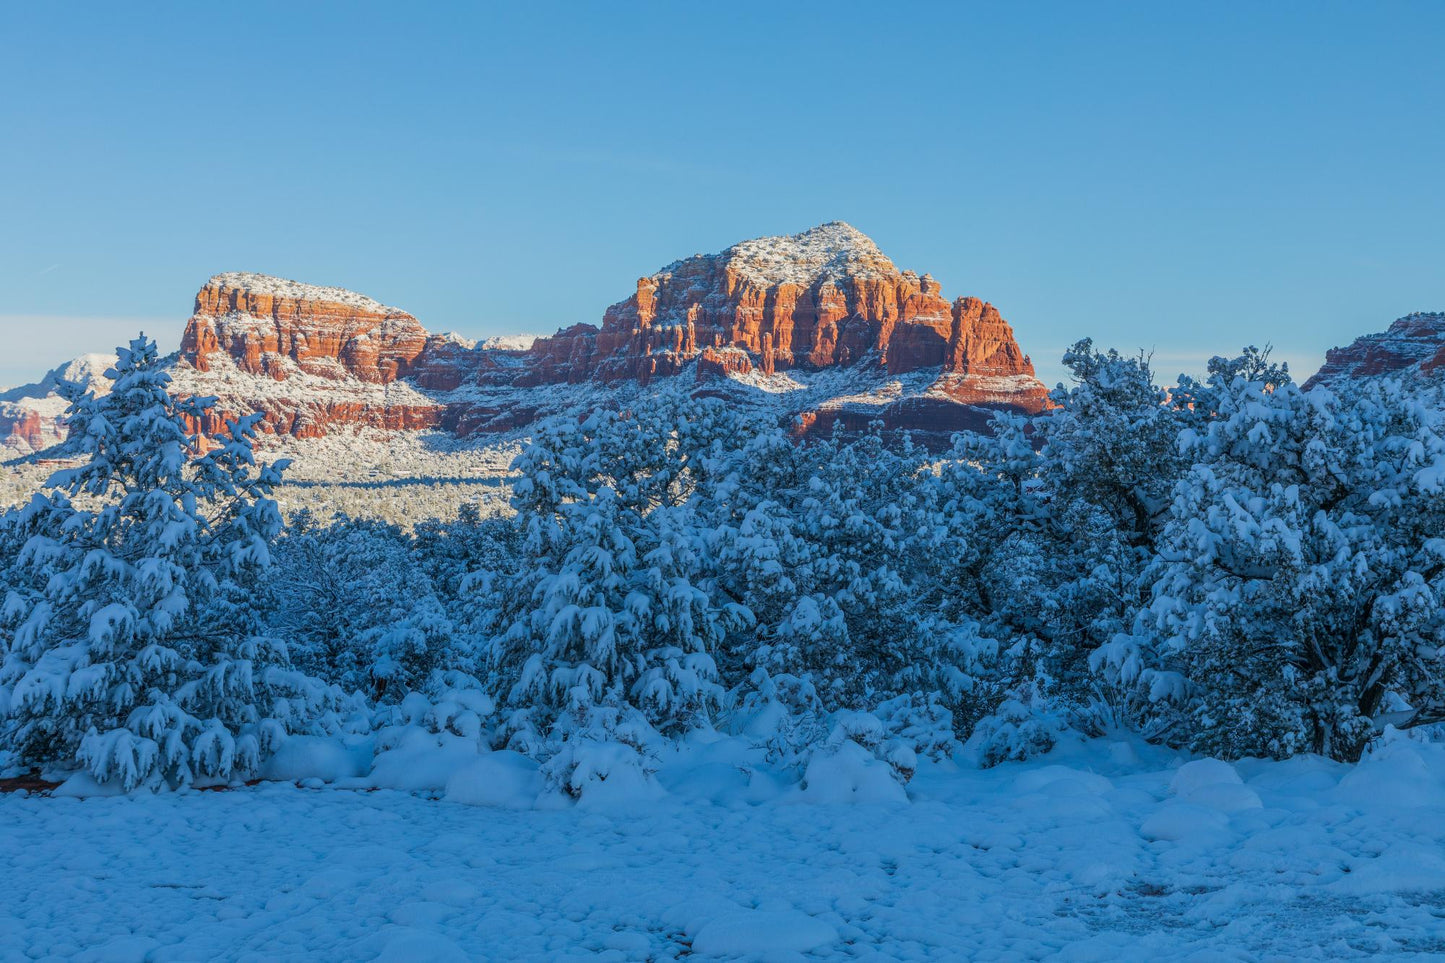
1186	178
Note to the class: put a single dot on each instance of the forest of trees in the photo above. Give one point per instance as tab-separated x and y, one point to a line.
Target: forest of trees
1233	566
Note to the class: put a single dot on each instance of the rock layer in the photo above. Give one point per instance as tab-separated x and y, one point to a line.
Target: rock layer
823	298
1412	346
267	324
26	429
314	358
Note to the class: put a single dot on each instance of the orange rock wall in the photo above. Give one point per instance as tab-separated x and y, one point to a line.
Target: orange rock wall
711	310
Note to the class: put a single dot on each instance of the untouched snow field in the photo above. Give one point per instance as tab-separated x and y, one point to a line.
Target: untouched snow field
1103	851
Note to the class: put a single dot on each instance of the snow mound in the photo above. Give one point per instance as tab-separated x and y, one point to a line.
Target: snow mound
1202	772
82	785
422	761
762	931
316	757
415	945
848	773
1062	780
1399	773
1213	784
504	779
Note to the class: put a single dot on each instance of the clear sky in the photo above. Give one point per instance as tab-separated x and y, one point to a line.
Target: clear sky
1186	178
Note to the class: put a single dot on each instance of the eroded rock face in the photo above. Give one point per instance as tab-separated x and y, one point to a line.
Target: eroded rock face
269	325
27	429
1413	345
313	358
814	300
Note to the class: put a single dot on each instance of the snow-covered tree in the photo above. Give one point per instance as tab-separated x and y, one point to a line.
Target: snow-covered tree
1297	592
359	609
612	610
133	635
1069	509
842	551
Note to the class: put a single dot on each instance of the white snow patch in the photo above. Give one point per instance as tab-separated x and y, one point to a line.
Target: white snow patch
827	252
762	931
1032	860
504	778
509	342
284	288
315	757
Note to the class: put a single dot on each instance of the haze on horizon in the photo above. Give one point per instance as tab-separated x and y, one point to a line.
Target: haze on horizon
1181	180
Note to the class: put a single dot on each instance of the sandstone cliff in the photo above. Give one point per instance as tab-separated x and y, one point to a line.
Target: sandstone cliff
1412	345
267	325
778	309
825	297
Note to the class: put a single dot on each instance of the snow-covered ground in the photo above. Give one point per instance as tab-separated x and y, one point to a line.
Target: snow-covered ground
1103	851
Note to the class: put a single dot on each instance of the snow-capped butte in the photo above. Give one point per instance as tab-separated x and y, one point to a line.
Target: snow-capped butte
510	342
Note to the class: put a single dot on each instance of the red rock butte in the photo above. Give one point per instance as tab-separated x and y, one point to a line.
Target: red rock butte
766	313
1412	345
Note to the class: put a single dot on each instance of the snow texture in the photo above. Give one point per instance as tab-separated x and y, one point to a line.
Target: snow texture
829	251
88	371
510	342
1087	854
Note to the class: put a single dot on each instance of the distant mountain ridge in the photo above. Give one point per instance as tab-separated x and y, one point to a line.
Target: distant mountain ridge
820	325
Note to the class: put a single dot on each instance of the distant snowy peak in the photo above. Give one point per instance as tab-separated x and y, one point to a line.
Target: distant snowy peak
88	371
265	284
508	342
831	251
1412	346
32	417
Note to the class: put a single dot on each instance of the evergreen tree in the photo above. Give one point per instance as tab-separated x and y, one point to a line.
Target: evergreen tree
1297	595
612	611
134	643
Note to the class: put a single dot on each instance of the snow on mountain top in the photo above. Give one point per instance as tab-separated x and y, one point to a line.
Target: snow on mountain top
88	370
283	288
510	342
453	337
833	250
1421	318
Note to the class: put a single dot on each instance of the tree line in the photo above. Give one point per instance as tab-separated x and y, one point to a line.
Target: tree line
1233	566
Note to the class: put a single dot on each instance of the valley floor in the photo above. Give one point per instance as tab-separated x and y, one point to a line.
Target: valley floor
1103	851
